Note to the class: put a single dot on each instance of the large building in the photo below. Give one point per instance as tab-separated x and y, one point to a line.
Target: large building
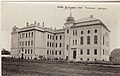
86	39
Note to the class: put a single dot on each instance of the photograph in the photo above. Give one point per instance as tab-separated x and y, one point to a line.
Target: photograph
60	38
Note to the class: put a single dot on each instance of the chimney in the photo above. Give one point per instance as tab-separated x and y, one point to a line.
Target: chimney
27	23
91	16
35	22
38	24
43	24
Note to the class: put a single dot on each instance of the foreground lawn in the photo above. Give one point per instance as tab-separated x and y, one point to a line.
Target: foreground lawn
13	67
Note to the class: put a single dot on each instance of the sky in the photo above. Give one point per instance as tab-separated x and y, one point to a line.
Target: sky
54	14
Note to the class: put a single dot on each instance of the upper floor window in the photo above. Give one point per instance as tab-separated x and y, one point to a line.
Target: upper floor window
53	37
48	36
81	32
81	40
67	31
28	43
67	47
88	39
103	40
32	34
59	52
95	30
22	43
103	52
81	51
76	42
20	36
95	39
88	31
60	37
76	32
25	51
60	44
56	44
56	37
73	32
31	42
47	43
52	52
28	51
95	51
23	35
31	51
55	52
52	44
73	42
47	51
29	34
26	35
88	51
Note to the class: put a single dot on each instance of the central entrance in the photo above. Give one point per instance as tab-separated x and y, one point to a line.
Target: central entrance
74	54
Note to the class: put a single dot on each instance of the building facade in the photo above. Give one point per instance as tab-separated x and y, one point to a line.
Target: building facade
86	39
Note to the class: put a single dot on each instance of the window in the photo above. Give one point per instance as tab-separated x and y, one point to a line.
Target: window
67	47
25	51
55	52
47	43
31	51
76	42
67	31
73	42
60	37
59	52
60	44
95	30
95	39
81	32
81	59
29	34
26	35
56	37
95	51
48	36
88	39
28	51
53	38
103	40
52	52
22	50
56	44
88	51
52	44
88	31
20	36
23	35
81	40
103	52
87	59
81	51
22	43
47	51
73	32
32	34
31	42
26	43
76	32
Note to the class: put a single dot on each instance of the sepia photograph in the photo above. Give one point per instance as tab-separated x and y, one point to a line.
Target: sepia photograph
60	38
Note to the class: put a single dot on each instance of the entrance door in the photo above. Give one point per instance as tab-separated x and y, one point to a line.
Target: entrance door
74	54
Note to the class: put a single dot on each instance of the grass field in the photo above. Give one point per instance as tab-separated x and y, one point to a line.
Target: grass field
13	67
